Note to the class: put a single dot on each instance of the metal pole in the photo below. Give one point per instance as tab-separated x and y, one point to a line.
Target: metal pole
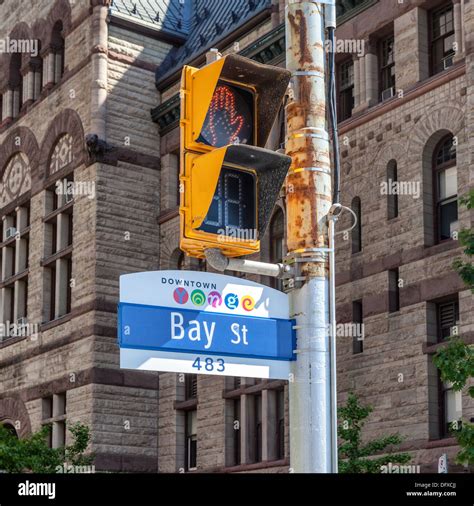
309	197
333	350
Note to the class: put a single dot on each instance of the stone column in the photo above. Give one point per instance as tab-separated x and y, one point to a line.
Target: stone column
99	64
361	100
371	74
411	50
48	67
28	86
356	82
458	29
7	102
269	425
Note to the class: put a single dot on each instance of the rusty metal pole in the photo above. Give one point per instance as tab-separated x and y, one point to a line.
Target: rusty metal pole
309	198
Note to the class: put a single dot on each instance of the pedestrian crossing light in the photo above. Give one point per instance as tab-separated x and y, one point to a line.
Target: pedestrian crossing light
229	182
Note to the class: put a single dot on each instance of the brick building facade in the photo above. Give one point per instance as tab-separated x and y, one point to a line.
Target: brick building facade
80	111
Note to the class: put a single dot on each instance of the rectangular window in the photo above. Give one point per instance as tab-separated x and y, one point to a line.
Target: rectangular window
191	440
190	386
346	90
356	234
447	318
451	402
447	203
280	413
237	452
387	68
257	428
392	196
442	38
54	414
58	242
393	291
14	256
357	339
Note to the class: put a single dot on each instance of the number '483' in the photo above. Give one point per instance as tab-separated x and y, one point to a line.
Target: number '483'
209	364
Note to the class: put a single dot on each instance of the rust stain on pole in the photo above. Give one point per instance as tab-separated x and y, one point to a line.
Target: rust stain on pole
308	187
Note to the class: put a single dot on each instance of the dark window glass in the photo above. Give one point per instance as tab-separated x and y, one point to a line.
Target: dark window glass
230	117
52	292
232	211
346	90
394	291
68	287
190	383
442	38
387	67
357	341
191	441
392	194
448	317
236	429
180	262
357	230
16	78
280	412
451	409
258	428
445	189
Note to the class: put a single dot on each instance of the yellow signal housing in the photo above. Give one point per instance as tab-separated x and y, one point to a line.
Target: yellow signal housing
229	181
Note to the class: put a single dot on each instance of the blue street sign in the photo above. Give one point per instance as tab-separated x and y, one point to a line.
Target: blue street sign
191	331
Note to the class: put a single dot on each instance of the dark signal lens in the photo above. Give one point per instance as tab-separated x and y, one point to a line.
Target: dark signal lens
229	119
232	211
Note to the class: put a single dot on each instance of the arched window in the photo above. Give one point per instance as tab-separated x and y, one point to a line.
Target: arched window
10	429
277	235
357	230
16	84
57	44
392	190
180	262
36	63
14	250
445	186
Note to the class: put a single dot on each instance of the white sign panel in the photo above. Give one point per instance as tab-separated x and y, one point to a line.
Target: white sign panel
247	325
152	360
203	291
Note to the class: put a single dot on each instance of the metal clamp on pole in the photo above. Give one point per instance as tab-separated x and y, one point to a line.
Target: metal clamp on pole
217	260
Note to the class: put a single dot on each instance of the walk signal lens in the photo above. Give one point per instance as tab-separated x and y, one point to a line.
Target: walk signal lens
230	117
232	211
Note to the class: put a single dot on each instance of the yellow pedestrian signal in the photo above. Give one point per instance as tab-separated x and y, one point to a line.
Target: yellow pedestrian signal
229	182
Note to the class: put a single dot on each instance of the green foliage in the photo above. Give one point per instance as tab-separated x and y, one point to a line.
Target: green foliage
32	454
466	239
456	360
353	455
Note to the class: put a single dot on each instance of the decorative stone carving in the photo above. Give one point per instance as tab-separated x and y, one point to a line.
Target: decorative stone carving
62	154
16	179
